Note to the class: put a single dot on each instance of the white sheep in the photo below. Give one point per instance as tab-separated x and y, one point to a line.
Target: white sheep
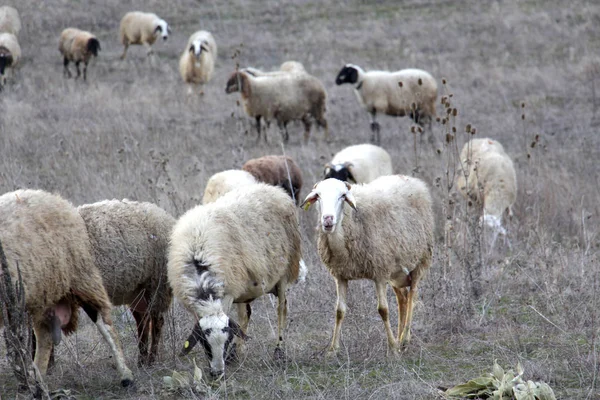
282	97
142	28
129	243
77	46
197	62
10	54
10	22
46	239
286	67
392	93
234	250
224	182
385	235
361	163
486	174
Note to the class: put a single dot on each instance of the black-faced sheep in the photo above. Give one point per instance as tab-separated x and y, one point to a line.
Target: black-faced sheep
129	242
77	46
392	93
143	29
10	22
279	171
10	54
224	182
361	163
45	237
486	174
234	250
282	97
385	235
197	62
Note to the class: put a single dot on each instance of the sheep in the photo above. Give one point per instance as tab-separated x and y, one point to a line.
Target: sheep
142	28
234	250
224	182
410	92
385	235
46	239
77	46
361	163
286	67
197	62
129	243
10	54
278	171
487	176
10	22
283	97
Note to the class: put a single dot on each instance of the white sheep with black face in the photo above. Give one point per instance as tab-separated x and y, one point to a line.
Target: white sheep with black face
361	163
142	28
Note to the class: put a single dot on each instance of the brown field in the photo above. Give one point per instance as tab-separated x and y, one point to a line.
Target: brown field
131	131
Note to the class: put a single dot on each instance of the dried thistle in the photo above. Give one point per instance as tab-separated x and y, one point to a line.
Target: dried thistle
400	83
443	81
468	128
420	81
449	138
454	112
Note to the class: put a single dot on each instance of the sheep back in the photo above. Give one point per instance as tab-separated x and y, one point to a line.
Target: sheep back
77	45
138	28
391	232
273	170
249	240
10	22
129	242
224	182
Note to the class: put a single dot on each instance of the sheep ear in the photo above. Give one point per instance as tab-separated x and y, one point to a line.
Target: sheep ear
309	200
204	47
350	199
328	167
194	338
191	50
237	330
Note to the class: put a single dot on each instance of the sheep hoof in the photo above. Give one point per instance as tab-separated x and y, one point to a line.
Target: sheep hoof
279	354
127	382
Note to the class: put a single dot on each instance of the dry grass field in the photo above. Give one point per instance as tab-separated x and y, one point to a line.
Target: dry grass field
132	132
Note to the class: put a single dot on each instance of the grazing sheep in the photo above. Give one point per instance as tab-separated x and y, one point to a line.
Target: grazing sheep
10	22
279	171
45	237
129	244
385	235
284	97
197	62
142	28
362	163
487	175
10	54
234	250
77	46
392	93
224	182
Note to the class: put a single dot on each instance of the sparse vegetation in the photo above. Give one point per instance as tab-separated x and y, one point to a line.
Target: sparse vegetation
129	132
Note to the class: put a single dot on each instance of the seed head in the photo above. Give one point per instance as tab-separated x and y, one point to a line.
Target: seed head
412	129
443	81
537	137
468	128
420	81
420	129
528	155
413	106
454	112
400	83
448	110
437	119
453	129
449	137
439	151
473	131
522	105
443	101
444	121
451	95
533	144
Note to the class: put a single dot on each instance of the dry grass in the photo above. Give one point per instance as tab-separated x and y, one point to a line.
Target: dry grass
130	131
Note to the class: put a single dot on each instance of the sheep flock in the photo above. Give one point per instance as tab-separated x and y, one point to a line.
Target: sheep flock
243	241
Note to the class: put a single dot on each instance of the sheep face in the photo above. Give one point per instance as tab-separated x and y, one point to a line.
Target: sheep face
93	46
197	47
331	195
342	172
162	29
233	83
348	74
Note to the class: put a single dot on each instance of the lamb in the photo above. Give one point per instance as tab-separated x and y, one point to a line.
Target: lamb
362	163
10	22
46	239
487	175
234	250
129	242
10	54
197	62
224	182
142	28
279	171
385	235
392	93
77	46
283	97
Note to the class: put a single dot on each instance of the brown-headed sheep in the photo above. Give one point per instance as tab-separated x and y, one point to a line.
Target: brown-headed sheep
77	46
277	171
46	239
385	235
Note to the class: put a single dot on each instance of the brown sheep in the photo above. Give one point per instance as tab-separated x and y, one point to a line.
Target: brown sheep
278	171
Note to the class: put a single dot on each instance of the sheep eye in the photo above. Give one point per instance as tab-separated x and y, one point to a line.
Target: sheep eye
207	332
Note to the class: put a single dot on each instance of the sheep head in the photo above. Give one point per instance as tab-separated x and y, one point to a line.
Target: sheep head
198	46
331	194
343	172
237	83
348	74
162	28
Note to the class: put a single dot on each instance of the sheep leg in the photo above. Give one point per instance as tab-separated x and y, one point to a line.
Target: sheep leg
243	311
401	298
78	71
258	129
323	124
342	291
307	125
412	293
384	312
281	318
149	50
43	347
375	128
66	71
158	322
283	130
85	65
124	50
142	321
